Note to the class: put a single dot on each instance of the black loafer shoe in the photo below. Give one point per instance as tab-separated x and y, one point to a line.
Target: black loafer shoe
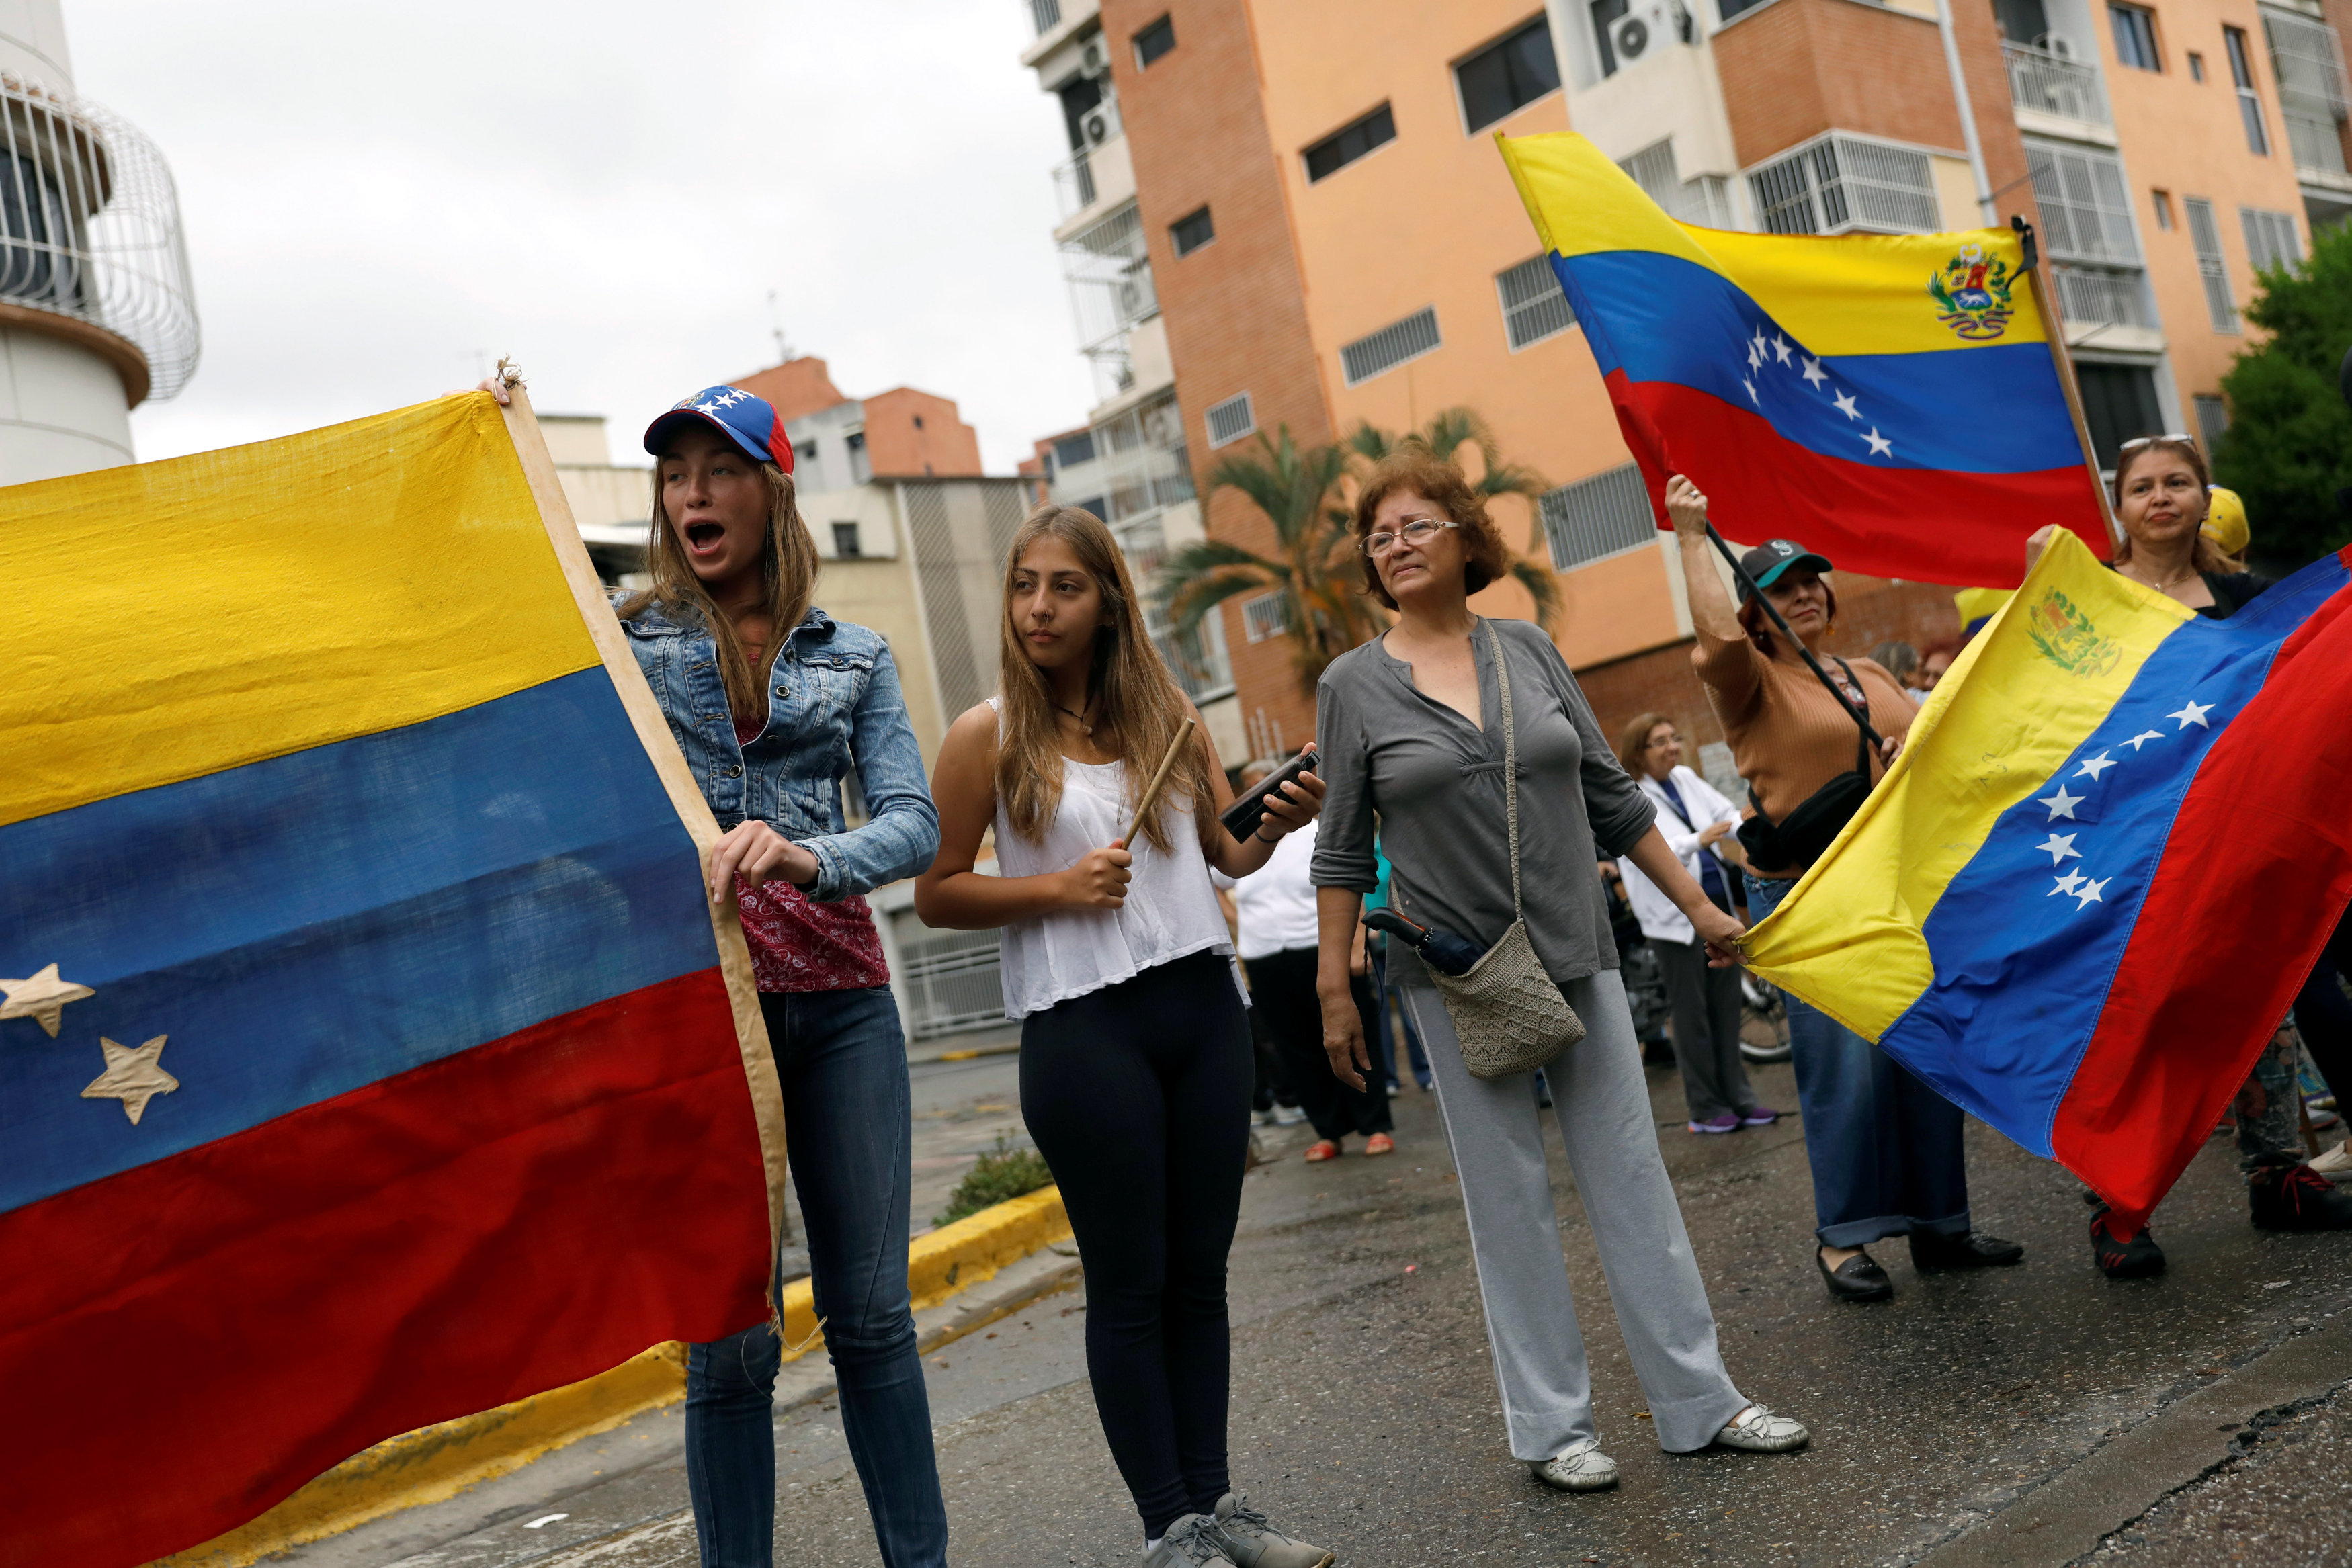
1974	1251
1858	1279
2139	1258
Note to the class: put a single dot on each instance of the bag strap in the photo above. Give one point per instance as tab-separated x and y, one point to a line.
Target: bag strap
1510	763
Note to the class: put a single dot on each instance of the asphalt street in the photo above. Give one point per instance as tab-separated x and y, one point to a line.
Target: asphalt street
2038	1414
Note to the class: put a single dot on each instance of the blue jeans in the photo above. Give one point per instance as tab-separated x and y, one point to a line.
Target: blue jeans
847	1133
1884	1147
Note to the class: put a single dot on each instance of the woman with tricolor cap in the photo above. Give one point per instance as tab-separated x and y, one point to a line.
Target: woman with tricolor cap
1884	1148
775	702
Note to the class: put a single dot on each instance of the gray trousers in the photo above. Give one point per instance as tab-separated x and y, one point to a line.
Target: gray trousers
1602	1100
1707	1009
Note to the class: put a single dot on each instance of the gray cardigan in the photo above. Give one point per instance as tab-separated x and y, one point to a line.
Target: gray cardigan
1435	784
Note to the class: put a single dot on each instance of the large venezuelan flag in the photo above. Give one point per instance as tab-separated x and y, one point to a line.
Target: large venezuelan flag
2085	895
1889	401
369	1054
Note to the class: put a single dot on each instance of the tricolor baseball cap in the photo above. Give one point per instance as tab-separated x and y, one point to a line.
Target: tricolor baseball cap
1770	560
748	422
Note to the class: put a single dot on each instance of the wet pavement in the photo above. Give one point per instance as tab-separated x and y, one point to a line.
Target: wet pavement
1364	1413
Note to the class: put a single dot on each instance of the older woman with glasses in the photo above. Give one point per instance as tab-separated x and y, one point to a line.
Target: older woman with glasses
1409	728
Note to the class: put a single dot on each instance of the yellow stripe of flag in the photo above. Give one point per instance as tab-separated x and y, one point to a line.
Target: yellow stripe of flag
166	626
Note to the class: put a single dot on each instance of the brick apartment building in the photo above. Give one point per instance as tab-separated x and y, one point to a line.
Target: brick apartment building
1291	215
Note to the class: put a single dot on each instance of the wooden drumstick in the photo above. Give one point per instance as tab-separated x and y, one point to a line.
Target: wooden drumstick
1158	781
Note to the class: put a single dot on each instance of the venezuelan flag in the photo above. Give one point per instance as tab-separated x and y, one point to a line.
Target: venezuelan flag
2085	895
1890	402
369	1054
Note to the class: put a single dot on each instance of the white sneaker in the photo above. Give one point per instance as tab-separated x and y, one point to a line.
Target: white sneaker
1580	1467
2335	1165
1288	1116
1758	1431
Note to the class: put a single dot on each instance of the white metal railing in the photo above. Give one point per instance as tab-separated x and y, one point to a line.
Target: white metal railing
2313	99
2317	141
2052	84
2088	298
1047	14
1074	186
1837	182
89	227
1109	275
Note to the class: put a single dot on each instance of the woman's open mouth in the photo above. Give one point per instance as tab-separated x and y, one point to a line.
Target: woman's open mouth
704	538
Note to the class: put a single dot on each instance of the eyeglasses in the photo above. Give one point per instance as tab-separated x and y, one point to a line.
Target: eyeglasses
1664	740
2136	442
1419	531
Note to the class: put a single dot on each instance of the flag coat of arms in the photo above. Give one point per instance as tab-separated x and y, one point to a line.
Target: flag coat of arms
1890	401
2083	897
370	1053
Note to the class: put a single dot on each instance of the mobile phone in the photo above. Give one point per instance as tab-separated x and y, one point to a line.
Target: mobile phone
1241	818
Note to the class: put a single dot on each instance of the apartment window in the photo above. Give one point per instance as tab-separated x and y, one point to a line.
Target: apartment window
2196	65
1704	200
804	452
2085	205
1506	76
1333	153
1230	421
1154	41
2118	403
2205	234
2271	239
919	422
1597	516
1261	617
1191	232
2212	419
861	468
1072	450
2308	65
2249	104
1390	347
1047	14
2020	21
845	541
1839	183
1533	308
2135	36
2163	209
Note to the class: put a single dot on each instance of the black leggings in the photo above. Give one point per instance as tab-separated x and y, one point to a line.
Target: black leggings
1138	1097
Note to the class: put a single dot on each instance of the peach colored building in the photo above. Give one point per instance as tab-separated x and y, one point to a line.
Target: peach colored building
1292	215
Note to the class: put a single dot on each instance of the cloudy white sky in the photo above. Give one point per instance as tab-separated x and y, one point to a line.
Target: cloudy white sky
376	197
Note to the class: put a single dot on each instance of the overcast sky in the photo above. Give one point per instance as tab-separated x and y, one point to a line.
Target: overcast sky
376	197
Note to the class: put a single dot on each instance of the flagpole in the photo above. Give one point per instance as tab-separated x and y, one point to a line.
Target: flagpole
2055	332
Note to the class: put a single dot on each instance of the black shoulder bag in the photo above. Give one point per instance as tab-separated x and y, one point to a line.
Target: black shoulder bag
1799	838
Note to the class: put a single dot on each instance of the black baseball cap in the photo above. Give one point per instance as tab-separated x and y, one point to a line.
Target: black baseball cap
1768	561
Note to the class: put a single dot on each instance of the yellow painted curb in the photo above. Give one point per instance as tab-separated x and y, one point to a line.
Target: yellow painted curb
435	1463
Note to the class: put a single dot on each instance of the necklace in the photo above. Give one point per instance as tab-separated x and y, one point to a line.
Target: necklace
1084	727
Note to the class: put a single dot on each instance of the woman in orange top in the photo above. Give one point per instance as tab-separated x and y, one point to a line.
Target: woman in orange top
1884	1147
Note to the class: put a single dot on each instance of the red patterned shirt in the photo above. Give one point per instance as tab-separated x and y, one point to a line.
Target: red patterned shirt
798	945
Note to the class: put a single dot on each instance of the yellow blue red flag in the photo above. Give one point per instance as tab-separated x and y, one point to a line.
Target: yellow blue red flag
369	1054
1889	401
2082	899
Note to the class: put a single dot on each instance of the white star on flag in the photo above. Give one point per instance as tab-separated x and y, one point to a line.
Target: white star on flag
1879	445
2088	894
1751	392
1813	372
1758	342
1780	347
2060	847
1844	402
2061	804
2067	883
2095	765
2192	712
1755	356
2143	737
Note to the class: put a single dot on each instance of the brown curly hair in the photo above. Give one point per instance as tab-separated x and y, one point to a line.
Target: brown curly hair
1416	468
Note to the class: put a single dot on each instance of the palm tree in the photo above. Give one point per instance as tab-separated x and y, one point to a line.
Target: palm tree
1446	433
1313	569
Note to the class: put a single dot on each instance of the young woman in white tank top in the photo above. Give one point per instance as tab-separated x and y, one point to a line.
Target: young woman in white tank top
1135	1053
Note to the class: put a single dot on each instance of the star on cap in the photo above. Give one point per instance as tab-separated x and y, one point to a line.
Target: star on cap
42	998
2060	847
2143	737
1844	402
2192	712
2061	804
1813	372
2095	765
2067	883
1879	445
133	1077
2088	894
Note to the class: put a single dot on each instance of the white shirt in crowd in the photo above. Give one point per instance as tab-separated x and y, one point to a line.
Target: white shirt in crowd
1659	917
1277	902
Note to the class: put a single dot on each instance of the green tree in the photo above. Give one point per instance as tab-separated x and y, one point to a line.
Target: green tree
2288	449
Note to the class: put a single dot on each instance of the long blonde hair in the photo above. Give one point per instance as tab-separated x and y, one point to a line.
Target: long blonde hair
788	568
1142	707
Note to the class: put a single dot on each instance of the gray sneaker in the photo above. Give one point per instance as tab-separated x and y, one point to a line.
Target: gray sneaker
1580	1466
1250	1539
1193	1542
1758	1431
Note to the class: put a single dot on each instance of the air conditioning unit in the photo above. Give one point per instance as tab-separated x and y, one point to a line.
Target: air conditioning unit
1648	30
1100	123
2055	44
1094	59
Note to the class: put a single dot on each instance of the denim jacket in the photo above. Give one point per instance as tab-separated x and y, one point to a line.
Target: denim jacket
835	706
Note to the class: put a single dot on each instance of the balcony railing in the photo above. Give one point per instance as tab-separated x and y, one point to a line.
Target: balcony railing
2051	84
2088	298
1045	14
2313	99
89	229
1074	186
2316	142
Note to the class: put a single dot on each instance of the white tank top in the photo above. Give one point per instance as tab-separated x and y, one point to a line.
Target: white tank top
1171	909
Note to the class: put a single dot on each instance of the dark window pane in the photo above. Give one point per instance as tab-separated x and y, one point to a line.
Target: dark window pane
2118	403
1189	233
1075	449
1076	99
1603	13
1334	153
2020	21
1731	8
1154	41
1508	75
2135	36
